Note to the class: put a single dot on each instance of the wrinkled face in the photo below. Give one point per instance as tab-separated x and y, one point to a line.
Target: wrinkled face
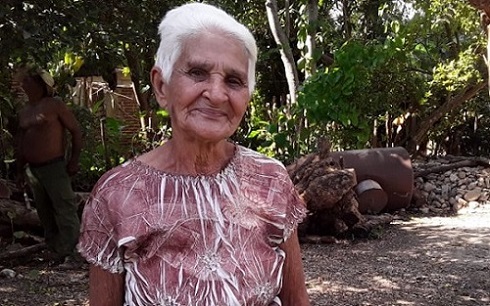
207	94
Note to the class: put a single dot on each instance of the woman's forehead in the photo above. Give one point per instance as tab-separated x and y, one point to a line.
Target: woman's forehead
213	47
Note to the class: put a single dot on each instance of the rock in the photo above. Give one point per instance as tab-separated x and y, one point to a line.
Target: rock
462	202
453	178
8	273
456	206
445	191
483	197
435	210
429	187
473	195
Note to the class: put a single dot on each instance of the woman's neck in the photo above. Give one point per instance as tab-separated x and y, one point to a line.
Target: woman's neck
190	159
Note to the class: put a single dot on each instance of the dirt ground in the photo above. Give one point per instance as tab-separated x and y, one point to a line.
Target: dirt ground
416	260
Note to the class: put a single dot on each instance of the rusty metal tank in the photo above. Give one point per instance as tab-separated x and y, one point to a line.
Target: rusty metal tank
384	176
371	197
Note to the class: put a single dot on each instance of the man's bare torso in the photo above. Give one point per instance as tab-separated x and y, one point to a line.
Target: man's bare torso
43	132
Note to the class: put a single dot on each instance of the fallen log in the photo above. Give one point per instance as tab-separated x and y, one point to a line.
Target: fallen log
321	181
11	254
471	162
327	190
17	214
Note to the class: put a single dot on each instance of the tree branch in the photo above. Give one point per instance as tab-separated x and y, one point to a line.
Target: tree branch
449	105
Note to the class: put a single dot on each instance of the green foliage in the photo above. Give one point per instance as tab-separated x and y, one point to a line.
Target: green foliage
150	137
364	83
63	68
7	121
97	156
456	74
271	130
385	65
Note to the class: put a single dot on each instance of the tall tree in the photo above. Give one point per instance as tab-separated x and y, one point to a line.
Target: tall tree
284	48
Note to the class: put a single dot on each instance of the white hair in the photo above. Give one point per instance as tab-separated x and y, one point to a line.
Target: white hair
192	19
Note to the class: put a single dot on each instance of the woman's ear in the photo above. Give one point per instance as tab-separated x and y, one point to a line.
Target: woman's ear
158	84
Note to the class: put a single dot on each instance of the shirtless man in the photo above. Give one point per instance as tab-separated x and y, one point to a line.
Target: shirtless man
41	147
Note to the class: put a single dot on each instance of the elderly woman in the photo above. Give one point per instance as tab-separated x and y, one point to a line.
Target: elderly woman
198	220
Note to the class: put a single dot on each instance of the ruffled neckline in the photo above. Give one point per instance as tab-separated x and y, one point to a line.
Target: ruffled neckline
150	170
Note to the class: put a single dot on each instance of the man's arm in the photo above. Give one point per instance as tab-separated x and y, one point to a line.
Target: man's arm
71	124
293	292
105	288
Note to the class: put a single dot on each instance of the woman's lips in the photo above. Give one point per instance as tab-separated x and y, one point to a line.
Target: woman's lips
210	112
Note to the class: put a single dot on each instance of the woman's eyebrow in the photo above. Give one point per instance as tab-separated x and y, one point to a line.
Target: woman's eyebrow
199	64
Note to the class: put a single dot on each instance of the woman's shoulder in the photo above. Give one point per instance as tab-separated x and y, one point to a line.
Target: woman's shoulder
253	161
124	174
126	183
250	155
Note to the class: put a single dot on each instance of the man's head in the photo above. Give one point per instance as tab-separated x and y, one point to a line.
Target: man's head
191	20
37	82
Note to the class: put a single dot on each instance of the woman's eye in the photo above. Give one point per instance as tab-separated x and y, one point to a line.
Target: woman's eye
235	82
198	74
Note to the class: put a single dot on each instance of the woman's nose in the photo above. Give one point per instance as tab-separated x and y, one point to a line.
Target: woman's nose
216	91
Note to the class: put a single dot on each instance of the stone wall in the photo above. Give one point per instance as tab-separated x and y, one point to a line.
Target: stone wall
452	190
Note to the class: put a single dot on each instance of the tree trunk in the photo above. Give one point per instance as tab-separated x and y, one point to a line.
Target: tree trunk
451	104
286	52
347	20
310	38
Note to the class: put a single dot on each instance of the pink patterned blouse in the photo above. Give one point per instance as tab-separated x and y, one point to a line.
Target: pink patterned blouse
194	240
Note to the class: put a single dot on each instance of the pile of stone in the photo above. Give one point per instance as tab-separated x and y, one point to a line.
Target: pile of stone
454	189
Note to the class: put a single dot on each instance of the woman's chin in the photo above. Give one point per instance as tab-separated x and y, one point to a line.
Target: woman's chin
211	132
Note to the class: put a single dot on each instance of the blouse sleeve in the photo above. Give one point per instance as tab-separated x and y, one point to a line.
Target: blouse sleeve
295	209
98	242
